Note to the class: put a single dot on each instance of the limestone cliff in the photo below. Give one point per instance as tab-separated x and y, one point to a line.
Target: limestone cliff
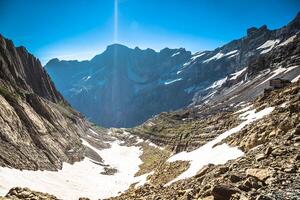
38	129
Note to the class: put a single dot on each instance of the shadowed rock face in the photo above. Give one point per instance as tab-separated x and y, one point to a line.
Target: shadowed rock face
38	129
123	87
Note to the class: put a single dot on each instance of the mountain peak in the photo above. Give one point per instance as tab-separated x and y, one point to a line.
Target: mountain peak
116	46
53	60
254	30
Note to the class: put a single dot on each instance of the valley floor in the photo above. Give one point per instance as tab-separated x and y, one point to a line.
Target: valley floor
117	160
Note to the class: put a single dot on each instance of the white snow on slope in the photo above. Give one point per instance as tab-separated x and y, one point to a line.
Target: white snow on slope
217	83
142	180
221	55
197	55
237	74
86	78
289	40
275	73
296	79
186	64
220	154
175	54
215	57
231	53
291	68
82	179
178	72
193	58
173	81
268	46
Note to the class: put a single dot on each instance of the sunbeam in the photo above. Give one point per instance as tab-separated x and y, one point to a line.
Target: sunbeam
116	21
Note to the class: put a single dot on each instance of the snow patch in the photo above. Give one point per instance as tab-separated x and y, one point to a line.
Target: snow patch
195	56
173	81
142	179
237	74
81	179
217	83
221	55
291	68
276	72
296	79
269	43
233	55
215	57
268	46
86	78
220	154
175	54
289	40
283	105
231	52
186	64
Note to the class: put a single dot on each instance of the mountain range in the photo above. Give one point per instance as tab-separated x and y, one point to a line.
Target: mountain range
123	87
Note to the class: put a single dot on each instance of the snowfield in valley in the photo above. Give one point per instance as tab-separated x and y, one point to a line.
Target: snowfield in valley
82	179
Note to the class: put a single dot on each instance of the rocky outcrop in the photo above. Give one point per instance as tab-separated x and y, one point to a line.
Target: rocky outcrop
186	129
38	129
25	193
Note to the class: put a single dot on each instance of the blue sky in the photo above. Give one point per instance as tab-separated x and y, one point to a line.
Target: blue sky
80	29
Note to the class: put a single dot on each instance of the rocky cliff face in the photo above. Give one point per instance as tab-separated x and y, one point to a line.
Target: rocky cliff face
21	69
282	62
38	129
124	87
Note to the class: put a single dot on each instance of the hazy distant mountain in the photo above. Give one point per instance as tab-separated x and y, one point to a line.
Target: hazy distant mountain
123	87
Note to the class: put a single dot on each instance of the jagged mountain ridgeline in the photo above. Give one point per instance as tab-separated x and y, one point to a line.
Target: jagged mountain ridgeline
123	87
214	125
